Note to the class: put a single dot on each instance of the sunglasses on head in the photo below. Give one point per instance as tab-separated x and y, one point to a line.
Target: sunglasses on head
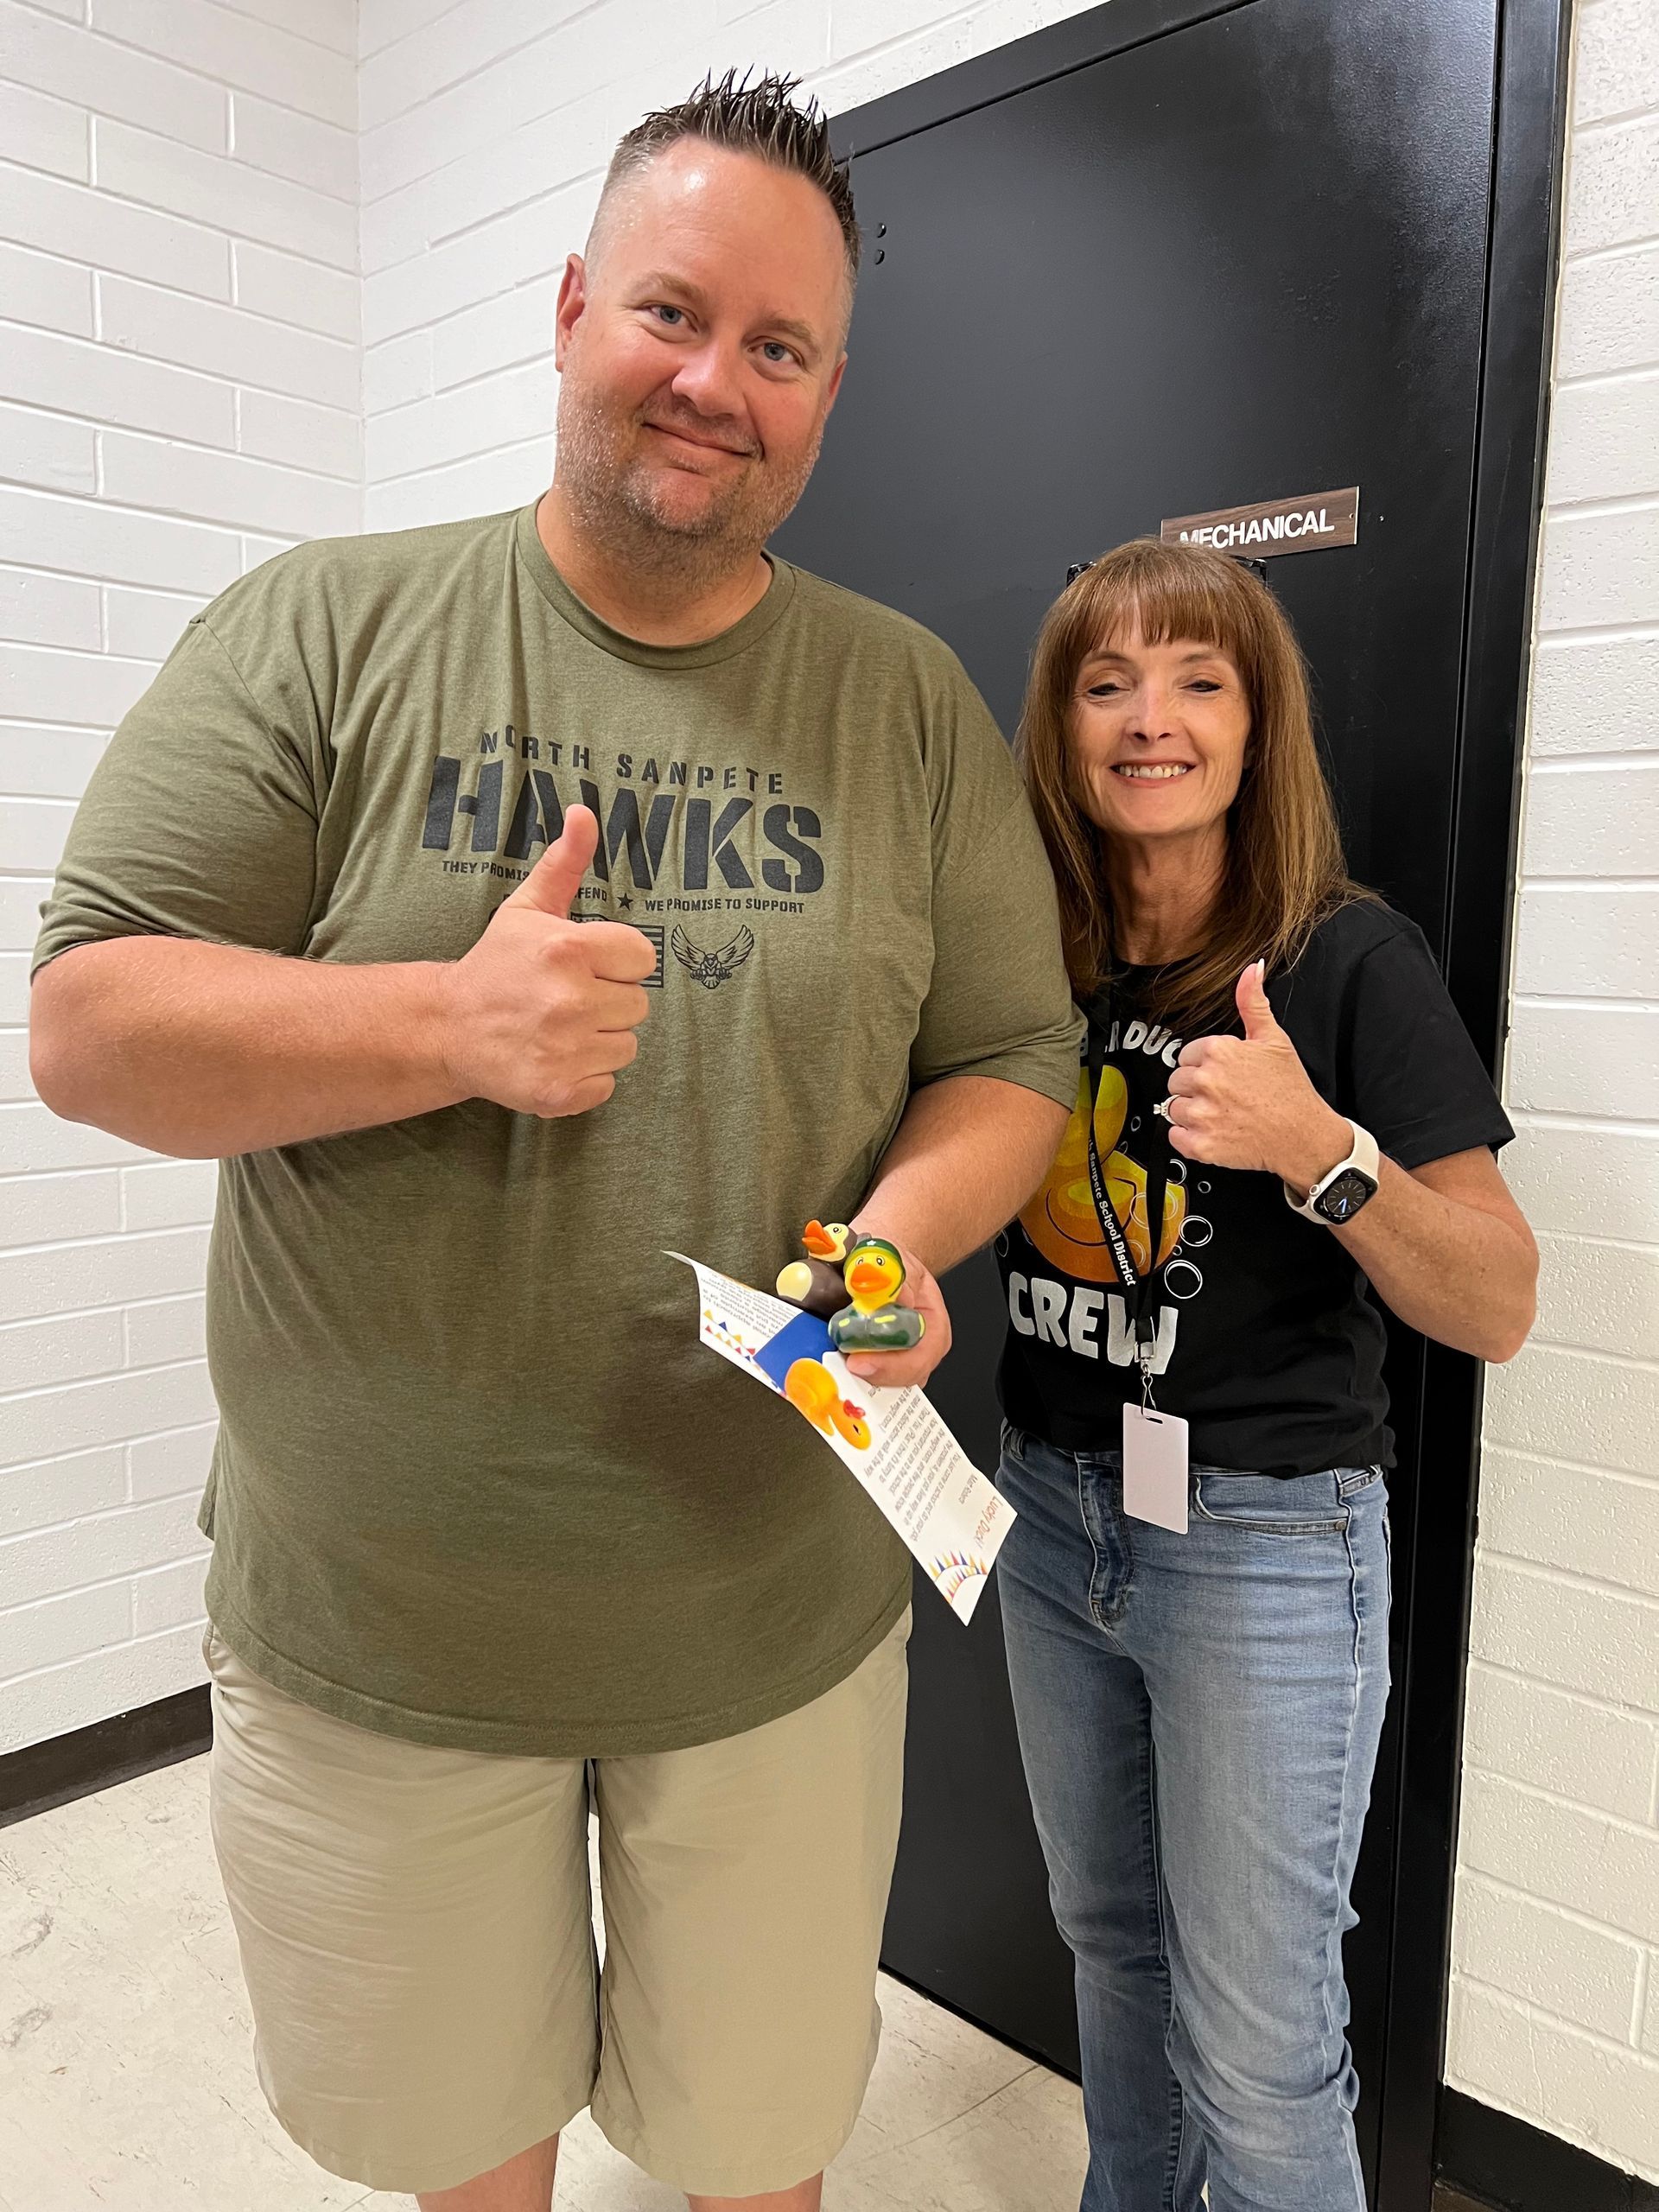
1257	569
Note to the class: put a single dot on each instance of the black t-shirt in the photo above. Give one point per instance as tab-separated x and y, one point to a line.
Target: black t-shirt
1265	1340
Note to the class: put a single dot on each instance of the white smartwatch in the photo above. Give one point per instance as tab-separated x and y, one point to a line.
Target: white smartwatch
1337	1197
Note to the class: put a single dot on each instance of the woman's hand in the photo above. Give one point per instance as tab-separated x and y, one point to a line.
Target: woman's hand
1444	1247
1246	1102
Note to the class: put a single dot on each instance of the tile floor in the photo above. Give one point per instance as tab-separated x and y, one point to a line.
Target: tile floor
126	2084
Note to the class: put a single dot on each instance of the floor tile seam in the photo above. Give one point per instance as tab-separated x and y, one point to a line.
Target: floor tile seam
910	2142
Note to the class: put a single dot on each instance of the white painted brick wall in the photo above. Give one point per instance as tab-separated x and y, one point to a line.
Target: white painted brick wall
180	396
1556	1993
486	130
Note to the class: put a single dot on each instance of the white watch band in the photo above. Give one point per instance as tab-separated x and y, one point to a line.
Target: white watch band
1362	1154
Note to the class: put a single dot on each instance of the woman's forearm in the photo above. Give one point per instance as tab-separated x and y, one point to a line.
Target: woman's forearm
1461	1270
1445	1245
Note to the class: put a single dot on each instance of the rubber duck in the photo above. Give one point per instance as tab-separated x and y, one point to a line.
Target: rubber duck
874	1275
812	1389
820	1241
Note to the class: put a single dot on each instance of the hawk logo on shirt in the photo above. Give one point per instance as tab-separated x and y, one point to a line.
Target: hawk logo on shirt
711	970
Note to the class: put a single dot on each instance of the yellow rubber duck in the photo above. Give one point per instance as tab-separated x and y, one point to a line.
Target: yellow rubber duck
812	1389
874	1275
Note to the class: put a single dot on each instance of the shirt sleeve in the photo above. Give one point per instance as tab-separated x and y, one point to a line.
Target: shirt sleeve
1412	1075
998	1003
201	820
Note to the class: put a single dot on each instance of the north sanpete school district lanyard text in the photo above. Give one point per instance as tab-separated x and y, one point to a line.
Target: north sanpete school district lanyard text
1140	1290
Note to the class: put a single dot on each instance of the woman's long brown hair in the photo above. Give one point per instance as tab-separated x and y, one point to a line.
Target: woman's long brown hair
1285	871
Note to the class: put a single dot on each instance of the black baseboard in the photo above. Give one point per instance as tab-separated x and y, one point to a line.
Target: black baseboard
1503	2162
1046	2059
128	1744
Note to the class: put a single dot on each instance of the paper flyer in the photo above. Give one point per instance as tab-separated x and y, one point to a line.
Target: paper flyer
894	1441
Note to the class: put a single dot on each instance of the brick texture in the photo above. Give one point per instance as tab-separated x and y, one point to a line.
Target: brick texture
1556	1933
484	133
180	378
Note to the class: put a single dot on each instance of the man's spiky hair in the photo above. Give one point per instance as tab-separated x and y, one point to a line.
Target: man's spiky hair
749	115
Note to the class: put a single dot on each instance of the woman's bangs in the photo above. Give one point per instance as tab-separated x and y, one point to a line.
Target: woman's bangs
1168	603
1164	595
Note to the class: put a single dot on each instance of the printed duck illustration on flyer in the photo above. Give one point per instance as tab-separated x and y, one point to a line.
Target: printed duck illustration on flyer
950	1517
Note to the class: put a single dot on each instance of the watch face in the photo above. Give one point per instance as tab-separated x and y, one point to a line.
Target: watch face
1345	1196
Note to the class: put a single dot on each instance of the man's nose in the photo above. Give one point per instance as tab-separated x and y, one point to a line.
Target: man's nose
709	379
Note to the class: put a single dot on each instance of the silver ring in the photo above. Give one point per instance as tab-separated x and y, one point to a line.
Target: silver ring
1162	1108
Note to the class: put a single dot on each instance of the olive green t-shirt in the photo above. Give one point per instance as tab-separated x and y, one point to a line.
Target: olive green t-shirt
476	1482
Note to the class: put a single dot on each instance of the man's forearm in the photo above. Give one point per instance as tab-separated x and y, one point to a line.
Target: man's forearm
210	1049
204	1051
969	1153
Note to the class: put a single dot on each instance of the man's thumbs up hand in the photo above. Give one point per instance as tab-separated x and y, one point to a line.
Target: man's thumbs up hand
553	883
540	1015
1246	1102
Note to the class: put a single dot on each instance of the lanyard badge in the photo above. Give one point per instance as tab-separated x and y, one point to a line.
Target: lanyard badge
1154	1443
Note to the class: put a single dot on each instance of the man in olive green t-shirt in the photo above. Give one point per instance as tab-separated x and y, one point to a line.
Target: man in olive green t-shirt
504	904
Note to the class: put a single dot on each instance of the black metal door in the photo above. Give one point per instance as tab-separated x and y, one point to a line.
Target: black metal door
1168	257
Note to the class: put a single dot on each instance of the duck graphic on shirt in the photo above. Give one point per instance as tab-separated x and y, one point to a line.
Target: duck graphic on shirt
1061	1220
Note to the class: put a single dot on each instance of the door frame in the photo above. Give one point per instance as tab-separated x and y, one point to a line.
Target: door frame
1523	227
1517	349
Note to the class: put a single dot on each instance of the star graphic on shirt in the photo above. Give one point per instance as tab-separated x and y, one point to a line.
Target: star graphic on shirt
624	902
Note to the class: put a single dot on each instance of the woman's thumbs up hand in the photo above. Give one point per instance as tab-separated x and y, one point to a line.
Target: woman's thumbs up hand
1246	1102
1251	994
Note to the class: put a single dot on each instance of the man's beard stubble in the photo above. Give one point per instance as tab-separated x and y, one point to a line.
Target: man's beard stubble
613	499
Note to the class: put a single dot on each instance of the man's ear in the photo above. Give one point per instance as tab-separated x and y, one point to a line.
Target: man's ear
836	376
572	299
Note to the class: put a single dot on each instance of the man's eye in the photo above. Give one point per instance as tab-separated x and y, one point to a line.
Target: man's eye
671	315
775	350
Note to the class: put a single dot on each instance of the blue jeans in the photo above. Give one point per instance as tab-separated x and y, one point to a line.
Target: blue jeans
1198	1717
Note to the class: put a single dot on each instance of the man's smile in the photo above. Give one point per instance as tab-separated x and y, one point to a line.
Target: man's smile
703	444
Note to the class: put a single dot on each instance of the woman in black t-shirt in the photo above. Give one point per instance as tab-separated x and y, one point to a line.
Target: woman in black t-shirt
1277	1104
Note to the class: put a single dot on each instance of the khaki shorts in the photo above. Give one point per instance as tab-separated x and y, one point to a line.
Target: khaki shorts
416	1930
